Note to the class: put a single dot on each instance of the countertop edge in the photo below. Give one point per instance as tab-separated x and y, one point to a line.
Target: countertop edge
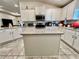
42	33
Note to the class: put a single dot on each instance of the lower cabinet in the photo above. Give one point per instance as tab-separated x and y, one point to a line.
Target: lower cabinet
76	41
16	34
9	34
5	35
68	36
72	38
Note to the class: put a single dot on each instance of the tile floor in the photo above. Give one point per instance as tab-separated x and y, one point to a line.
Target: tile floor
15	50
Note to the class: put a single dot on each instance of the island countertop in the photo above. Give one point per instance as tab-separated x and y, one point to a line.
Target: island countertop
48	30
42	42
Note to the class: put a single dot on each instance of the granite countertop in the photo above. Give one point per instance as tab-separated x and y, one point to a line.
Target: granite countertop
77	29
42	31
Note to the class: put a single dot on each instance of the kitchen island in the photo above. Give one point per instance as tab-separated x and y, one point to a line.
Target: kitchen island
42	42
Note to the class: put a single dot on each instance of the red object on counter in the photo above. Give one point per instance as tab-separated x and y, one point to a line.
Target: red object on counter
75	24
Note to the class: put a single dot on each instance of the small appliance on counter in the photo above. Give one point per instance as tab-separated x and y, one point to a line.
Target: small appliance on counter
40	18
40	21
40	25
30	25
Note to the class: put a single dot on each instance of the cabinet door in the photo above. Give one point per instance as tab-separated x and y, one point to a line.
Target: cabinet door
64	13
19	30
24	15
16	34
68	36
4	36
28	15
76	42
70	10
48	15
31	15
40	10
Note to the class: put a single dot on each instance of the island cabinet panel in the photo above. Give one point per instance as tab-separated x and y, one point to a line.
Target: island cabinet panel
16	34
41	45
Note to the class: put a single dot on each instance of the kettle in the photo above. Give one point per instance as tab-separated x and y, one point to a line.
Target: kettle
75	24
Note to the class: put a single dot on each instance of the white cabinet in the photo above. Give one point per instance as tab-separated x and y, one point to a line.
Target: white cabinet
76	41
4	36
40	10
72	38
67	11
69	36
48	15
28	15
1	36
70	10
16	34
64	13
9	34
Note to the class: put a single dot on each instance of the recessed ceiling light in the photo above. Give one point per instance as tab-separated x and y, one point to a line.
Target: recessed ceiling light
58	0
15	5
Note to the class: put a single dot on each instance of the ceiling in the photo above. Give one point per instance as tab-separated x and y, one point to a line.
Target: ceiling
10	4
58	3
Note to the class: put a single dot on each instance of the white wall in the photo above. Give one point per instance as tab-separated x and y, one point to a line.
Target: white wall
42	8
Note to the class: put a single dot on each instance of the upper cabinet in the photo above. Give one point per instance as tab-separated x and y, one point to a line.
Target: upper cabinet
53	14
40	10
68	10
64	13
30	9
28	15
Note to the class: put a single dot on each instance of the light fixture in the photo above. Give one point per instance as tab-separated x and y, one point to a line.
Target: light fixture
58	0
15	5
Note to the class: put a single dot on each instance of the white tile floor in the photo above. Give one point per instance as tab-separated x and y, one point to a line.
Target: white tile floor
15	50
